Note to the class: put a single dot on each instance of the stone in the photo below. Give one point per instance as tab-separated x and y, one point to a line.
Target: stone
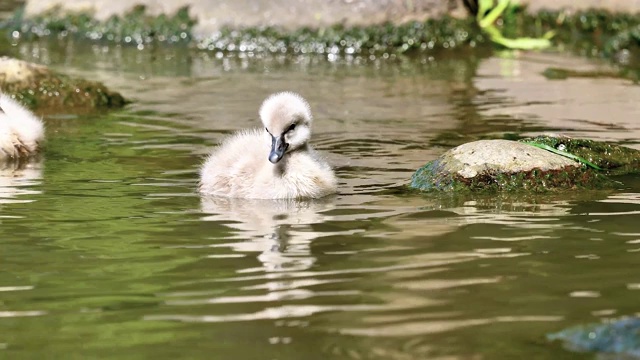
503	156
503	165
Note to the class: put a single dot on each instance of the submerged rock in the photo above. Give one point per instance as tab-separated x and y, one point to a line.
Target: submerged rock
621	337
40	88
503	165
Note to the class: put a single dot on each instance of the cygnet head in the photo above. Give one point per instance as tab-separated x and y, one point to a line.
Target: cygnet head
287	118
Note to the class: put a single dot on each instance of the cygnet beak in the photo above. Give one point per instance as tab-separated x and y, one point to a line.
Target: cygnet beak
278	148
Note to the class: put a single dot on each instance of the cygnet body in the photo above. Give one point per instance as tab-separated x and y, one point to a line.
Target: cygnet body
21	132
271	163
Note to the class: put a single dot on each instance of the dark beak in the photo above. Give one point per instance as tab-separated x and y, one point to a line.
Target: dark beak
278	148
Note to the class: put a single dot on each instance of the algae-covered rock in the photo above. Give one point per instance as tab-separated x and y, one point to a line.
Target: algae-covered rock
620	337
367	27
503	165
40	88
213	15
237	26
614	159
138	25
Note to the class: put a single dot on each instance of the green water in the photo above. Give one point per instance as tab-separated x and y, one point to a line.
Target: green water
108	251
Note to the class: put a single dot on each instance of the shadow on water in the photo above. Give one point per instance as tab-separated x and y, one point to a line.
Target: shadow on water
108	245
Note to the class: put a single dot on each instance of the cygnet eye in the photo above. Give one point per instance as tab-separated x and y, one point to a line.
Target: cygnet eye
293	126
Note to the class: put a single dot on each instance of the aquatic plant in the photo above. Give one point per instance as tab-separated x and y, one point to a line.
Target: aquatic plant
623	40
487	16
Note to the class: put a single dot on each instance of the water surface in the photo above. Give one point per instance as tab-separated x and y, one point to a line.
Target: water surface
108	251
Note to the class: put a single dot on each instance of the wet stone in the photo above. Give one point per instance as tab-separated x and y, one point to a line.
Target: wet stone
502	165
40	88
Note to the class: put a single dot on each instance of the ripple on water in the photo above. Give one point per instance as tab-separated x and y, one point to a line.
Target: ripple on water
113	244
17	181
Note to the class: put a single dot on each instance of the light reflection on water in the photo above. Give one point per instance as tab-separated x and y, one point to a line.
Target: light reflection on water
111	242
17	179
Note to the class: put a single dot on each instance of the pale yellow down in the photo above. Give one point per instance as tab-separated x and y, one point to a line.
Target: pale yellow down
240	167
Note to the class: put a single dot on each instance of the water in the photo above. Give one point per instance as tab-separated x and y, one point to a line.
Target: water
108	251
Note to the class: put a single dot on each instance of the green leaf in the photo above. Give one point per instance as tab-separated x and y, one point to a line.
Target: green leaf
564	153
494	14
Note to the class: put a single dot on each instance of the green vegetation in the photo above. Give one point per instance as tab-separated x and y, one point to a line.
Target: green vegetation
614	159
433	177
444	33
565	154
591	33
487	16
135	28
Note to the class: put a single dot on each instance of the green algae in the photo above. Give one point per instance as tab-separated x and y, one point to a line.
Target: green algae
135	27
565	154
554	73
626	73
443	33
593	33
434	177
628	38
613	159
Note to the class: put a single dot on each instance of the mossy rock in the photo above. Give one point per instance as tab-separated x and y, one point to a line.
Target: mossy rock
42	89
136	26
613	159
594	32
503	165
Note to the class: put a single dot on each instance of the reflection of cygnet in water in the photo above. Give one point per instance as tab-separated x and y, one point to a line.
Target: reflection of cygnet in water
244	167
16	178
21	132
278	229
